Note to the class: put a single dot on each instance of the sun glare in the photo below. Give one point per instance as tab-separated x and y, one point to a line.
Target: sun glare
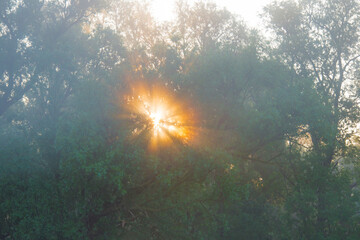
158	115
156	118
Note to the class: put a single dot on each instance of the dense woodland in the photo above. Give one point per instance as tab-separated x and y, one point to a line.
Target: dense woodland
264	145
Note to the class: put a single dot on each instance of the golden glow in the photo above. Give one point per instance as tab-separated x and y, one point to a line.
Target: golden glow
157	115
156	118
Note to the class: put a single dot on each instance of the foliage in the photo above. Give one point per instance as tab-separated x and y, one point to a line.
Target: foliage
271	154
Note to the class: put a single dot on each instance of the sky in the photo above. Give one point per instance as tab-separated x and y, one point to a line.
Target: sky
163	10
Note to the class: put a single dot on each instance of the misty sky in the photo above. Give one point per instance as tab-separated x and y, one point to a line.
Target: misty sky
163	10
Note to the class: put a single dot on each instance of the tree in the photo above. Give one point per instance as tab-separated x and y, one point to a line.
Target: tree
28	29
203	27
249	107
247	158
18	46
319	39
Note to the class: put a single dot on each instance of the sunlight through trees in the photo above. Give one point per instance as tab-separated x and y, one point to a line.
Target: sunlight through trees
116	126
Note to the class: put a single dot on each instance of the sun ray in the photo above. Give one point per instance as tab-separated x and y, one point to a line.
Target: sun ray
156	113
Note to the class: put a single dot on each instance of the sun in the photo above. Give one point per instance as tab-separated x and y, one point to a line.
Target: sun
157	115
157	119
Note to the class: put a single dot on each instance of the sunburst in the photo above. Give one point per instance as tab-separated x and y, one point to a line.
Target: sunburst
158	115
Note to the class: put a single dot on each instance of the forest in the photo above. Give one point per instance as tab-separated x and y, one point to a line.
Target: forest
116	126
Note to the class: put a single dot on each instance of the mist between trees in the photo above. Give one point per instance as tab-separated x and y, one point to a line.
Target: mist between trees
115	126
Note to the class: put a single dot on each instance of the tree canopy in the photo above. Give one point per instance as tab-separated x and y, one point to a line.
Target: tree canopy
116	126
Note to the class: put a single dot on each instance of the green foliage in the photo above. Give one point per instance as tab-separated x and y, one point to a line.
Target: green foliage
317	186
271	157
